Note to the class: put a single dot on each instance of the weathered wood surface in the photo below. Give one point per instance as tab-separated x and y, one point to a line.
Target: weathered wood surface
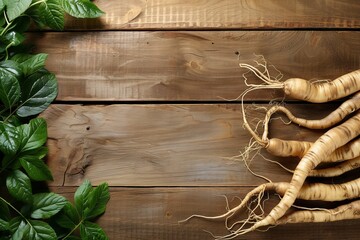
165	162
161	145
143	213
182	66
227	14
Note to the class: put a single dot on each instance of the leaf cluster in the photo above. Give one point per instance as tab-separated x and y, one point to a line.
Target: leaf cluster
26	89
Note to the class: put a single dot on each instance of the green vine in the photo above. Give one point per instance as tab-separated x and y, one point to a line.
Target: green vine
27	88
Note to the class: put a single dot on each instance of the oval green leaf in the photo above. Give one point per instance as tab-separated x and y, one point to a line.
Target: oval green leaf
9	86
19	186
46	205
81	8
34	134
48	13
40	230
14	8
38	91
36	168
10	139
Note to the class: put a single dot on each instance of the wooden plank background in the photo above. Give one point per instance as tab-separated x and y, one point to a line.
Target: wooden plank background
142	106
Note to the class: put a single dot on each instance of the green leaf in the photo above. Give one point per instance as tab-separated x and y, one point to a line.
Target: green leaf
81	196
38	91
34	134
20	24
10	139
97	200
29	63
9	86
12	67
14	8
4	225
2	5
40	230
39	153
68	217
14	38
18	228
13	120
9	162
48	13
92	231
14	224
4	211
19	186
35	168
46	205
81	8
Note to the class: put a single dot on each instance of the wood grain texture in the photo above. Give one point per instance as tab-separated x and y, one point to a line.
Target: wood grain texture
226	14
165	162
139	66
161	145
144	213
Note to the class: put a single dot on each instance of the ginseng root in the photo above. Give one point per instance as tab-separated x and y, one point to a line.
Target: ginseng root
335	117
343	212
315	92
337	170
331	140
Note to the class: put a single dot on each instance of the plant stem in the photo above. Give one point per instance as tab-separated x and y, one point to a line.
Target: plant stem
36	3
8	24
72	230
15	209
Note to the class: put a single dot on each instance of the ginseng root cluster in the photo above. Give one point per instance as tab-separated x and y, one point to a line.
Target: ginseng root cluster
338	145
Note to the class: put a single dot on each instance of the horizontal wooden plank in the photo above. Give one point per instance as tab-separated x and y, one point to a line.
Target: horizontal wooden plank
153	213
229	14
175	66
161	145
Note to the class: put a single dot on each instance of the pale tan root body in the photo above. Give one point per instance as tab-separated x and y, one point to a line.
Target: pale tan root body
315	92
311	191
337	170
343	212
345	109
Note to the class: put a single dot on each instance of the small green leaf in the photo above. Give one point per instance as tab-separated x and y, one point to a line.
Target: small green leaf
19	186
81	8
35	168
13	120
18	228
46	205
12	67
68	217
48	13
9	87
28	63
40	230
39	153
38	91
4	225
14	224
97	200
92	231
15	38
34	134
10	139
81	196
14	8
